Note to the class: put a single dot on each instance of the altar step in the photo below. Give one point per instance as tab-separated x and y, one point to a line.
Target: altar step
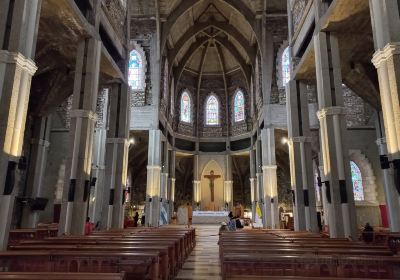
203	263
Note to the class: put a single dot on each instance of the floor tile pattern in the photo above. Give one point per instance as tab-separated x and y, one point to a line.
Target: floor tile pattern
203	263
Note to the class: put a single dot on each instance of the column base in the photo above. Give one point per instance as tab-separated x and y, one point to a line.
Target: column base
6	211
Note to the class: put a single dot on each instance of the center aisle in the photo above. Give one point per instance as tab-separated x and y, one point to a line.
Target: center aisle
203	262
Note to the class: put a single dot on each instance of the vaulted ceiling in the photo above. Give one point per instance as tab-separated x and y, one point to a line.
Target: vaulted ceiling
212	36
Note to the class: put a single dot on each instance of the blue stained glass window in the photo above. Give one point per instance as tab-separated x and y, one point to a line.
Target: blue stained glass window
285	66
185	107
356	178
212	111
135	71
239	106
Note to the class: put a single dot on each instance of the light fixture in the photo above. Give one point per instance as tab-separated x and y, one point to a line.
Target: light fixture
284	140
131	141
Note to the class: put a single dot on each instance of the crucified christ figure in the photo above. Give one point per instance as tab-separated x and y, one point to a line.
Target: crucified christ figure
212	177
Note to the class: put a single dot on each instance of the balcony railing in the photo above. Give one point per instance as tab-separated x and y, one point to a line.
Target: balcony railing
299	10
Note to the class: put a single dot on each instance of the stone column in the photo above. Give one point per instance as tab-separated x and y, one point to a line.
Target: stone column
172	180
117	150
18	32
269	181
385	20
325	204
228	183
391	194
37	165
83	118
331	114
196	183
253	182
164	184
98	163
300	155
259	182
153	190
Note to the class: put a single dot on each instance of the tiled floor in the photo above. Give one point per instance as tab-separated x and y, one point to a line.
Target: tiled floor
203	262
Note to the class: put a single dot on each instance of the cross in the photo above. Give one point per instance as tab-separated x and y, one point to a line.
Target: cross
212	177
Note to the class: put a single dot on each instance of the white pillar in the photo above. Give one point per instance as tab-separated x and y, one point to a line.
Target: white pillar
98	162
196	183
300	155
333	134
83	118
117	150
269	181
153	189
228	183
18	32
391	194
253	181
37	165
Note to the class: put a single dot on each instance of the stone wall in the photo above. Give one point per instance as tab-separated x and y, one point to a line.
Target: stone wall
358	112
298	8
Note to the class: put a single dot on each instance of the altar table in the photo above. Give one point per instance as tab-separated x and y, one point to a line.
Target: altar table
210	217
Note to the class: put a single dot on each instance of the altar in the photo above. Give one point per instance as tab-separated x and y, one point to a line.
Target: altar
210	217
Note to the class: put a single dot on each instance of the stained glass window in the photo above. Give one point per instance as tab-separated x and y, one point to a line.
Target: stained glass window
185	107
356	178
239	106
212	111
285	66
135	72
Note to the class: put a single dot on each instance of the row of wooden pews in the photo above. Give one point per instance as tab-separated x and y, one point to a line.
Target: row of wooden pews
259	254
141	253
41	232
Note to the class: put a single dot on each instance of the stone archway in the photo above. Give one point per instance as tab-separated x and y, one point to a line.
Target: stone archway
214	166
368	177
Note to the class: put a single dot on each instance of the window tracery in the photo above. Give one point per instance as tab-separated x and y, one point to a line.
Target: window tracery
135	71
212	111
185	107
238	106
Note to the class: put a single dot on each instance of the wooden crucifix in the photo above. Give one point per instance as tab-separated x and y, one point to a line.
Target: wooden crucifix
212	177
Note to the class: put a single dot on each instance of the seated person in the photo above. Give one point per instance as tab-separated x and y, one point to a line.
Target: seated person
238	224
232	222
368	233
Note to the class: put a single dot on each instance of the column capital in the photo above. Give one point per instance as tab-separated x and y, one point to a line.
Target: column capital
252	180
381	141
172	179
117	141
269	167
153	167
228	182
385	53
300	139
40	142
79	113
328	111
196	182
18	59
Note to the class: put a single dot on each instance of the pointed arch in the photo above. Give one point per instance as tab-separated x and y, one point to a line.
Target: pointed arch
285	66
136	71
212	110
357	180
238	106
186	115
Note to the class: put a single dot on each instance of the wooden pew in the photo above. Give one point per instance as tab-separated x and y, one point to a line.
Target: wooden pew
247	253
165	269
60	276
135	265
376	267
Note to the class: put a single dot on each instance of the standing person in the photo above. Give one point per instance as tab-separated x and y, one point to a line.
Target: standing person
136	219
232	222
88	226
190	214
238	210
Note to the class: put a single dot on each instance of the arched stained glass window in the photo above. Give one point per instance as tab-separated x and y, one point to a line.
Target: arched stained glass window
238	106
285	63
185	107
212	111
135	71
356	178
